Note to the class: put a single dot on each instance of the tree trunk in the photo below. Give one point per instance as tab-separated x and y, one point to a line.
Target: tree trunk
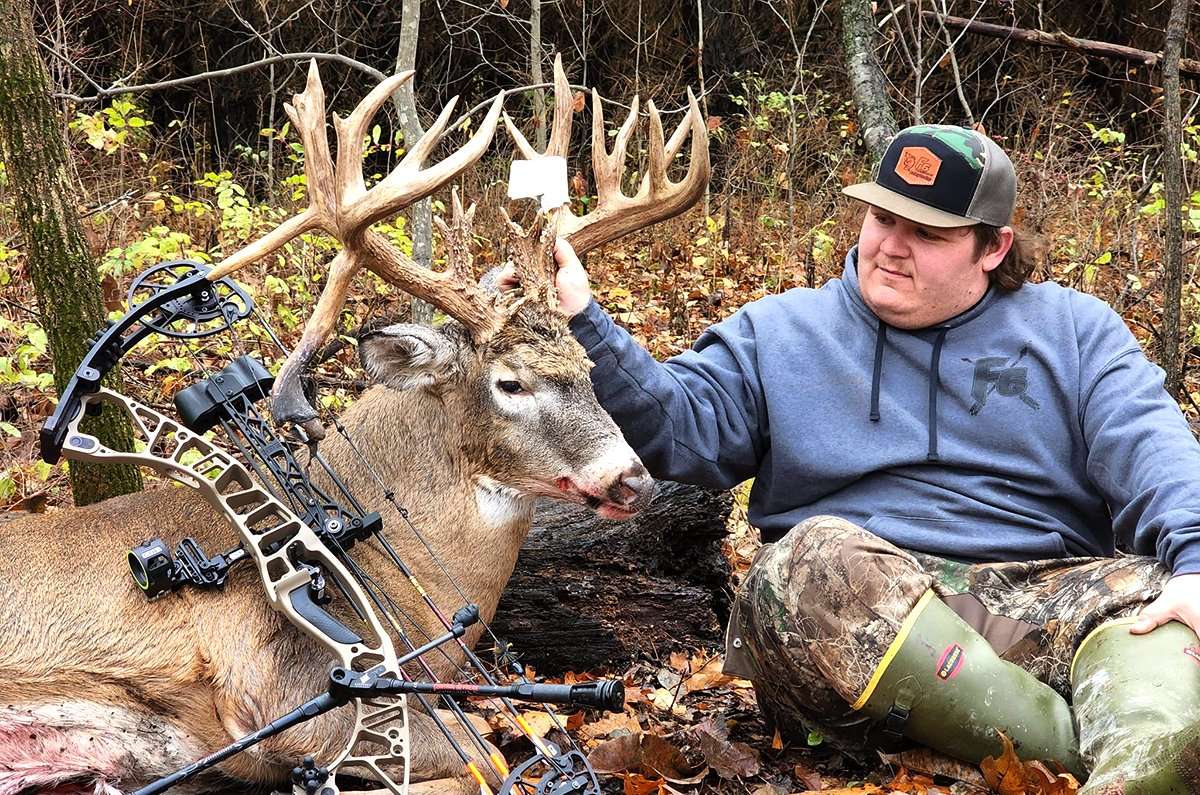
1173	187
64	274
588	592
875	118
535	73
420	218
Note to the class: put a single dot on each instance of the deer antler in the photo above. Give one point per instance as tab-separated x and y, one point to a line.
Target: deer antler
657	199
342	206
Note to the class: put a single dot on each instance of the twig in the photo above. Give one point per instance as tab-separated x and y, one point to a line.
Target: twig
1060	40
182	81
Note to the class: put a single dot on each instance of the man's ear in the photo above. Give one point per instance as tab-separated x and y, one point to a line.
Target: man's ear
1004	241
409	356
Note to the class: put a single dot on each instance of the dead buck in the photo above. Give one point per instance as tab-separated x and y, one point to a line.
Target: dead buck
101	692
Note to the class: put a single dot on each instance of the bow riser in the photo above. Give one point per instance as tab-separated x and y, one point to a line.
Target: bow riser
275	539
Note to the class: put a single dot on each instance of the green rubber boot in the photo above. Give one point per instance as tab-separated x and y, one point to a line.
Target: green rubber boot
1137	701
941	685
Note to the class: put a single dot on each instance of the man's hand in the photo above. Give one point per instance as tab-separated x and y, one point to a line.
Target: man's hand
574	292
571	280
1180	600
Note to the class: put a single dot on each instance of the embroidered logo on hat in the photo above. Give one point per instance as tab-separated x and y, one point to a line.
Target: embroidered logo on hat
917	165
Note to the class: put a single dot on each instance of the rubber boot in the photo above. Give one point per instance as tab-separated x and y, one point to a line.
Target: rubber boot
942	685
1137	701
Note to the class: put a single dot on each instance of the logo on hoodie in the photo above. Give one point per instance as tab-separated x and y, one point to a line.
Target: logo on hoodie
1002	376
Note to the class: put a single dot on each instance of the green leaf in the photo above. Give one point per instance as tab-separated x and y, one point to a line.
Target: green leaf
1104	258
10	429
815	738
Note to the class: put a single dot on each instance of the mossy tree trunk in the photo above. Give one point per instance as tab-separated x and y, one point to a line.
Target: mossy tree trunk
875	118
64	273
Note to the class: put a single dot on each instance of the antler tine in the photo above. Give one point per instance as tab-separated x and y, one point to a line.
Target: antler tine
658	198
307	112
351	133
409	182
564	109
559	142
607	168
457	235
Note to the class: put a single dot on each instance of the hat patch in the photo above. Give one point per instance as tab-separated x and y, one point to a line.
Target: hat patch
917	165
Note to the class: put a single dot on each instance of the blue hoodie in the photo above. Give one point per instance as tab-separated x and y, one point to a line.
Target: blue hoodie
1031	426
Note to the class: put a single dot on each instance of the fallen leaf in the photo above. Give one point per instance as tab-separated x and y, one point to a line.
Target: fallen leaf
679	661
930	762
645	754
708	677
663	699
618	723
1009	775
640	785
865	789
730	760
809	779
777	741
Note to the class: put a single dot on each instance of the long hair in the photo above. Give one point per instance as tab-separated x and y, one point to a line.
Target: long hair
1018	263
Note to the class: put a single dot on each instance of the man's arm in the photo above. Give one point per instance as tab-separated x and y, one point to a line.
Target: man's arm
694	418
1145	460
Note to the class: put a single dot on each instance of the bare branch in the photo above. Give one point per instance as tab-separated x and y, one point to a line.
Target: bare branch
216	73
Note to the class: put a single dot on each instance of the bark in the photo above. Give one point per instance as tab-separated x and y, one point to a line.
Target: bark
1043	38
420	217
1173	187
42	184
590	593
535	73
875	118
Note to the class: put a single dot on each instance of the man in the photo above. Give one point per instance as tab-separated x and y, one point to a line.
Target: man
942	458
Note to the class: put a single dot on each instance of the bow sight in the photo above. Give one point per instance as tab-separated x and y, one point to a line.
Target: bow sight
300	536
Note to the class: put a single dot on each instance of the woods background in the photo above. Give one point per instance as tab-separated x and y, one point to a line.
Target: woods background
201	165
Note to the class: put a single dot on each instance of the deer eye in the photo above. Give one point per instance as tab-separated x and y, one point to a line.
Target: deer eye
510	387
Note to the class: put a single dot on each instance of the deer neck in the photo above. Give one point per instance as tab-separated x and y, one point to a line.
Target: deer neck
419	444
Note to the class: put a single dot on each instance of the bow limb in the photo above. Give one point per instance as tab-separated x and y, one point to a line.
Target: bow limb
288	555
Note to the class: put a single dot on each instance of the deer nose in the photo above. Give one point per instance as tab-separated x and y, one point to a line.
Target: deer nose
633	488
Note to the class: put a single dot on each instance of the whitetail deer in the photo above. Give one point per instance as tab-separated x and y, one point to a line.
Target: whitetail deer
101	692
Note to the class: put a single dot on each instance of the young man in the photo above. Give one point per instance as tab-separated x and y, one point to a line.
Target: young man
943	457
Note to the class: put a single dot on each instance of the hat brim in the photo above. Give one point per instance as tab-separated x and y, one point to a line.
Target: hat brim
903	206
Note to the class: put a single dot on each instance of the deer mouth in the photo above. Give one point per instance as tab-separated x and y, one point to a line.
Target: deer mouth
617	502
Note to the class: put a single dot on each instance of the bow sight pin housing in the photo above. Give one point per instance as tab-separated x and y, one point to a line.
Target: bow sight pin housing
157	572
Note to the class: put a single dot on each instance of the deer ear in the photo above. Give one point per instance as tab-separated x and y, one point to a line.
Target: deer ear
409	356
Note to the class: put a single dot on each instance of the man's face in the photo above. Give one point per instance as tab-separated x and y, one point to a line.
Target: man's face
915	276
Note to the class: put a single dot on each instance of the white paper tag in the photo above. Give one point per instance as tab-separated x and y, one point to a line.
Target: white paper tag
545	177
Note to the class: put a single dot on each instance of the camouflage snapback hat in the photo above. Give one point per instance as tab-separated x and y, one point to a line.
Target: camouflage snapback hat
943	176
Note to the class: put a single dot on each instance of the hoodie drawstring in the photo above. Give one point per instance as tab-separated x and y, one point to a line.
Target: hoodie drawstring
934	385
935	382
880	341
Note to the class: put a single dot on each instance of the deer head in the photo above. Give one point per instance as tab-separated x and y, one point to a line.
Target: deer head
507	365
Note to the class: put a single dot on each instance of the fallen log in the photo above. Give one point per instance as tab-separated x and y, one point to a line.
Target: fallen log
590	593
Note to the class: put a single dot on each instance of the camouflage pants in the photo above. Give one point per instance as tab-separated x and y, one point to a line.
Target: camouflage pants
821	606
